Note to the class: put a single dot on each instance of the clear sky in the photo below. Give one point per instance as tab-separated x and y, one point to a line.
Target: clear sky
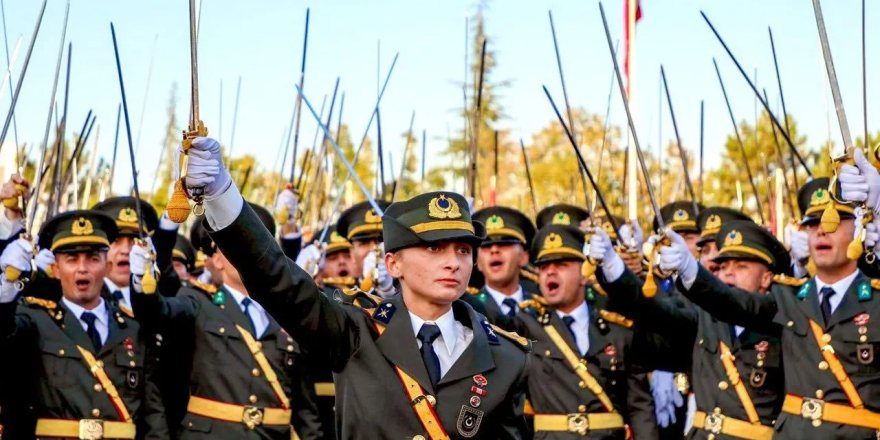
261	41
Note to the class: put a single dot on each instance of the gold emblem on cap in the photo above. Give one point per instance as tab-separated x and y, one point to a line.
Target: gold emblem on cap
553	241
561	218
371	217
494	222
336	238
820	197
733	238
713	222
443	207
127	215
680	215
81	226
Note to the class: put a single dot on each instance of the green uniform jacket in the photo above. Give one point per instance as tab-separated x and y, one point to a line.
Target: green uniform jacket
788	309
48	337
370	400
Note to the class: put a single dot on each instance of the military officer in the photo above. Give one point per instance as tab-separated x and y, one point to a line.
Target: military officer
710	221
737	372
423	364
501	258
562	214
183	258
571	401
828	337
360	225
84	356
205	246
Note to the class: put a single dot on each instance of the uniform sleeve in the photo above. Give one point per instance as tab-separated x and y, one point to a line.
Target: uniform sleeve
733	305
288	293
659	314
153	423
513	422
640	406
164	241
291	246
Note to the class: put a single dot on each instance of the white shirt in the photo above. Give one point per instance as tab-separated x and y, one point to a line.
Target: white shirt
839	287
102	321
500	297
126	292
581	326
255	310
453	340
738	329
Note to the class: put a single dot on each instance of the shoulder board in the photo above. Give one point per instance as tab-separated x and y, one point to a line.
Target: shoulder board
513	336
40	302
786	280
598	288
532	304
616	318
339	281
529	275
210	289
472	291
539	299
875	284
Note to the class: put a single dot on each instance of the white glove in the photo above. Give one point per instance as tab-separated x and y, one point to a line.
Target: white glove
678	257
384	281
310	259
206	169
44	259
288	201
860	182
205	277
602	250
139	259
8	291
872	235
631	235
17	254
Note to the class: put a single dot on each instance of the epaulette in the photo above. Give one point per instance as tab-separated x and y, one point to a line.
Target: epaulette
513	336
786	280
472	290
40	302
210	289
352	295
616	318
339	281
598	288
529	275
539	299
875	284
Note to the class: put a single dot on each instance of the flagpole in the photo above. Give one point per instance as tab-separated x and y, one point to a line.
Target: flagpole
632	173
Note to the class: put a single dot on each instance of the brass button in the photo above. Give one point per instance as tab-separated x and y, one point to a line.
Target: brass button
613	367
582	408
790	324
717	410
222	330
823	365
130	353
100	364
817	423
132	364
290	348
863	338
98	387
820	394
701	341
710	437
252	399
722	385
419	437
259	345
547	353
255	372
61	352
431	400
289	340
189	425
582	384
863	330
826	338
760	363
96	412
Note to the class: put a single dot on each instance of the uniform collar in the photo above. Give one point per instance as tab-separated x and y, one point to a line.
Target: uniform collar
580	314
239	296
100	311
445	322
840	287
500	297
112	287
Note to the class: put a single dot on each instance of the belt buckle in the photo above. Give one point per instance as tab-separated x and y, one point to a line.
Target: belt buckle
812	409
714	423
252	416
578	423
91	429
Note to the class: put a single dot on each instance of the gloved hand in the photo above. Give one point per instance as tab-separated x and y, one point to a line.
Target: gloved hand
206	168
603	251
797	243
677	257
384	280
631	235
666	397
140	259
872	235
205	277
860	182
17	254
287	203
44	259
310	259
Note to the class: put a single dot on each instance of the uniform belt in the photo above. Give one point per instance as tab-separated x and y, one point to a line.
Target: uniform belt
720	424
325	389
820	411
86	429
250	416
579	423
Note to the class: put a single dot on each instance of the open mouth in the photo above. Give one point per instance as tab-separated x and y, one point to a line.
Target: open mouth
123	263
82	285
343	273
552	286
821	247
495	265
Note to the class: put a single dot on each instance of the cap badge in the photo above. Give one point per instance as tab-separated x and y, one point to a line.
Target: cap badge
336	238
127	215
820	197
494	223
553	241
680	215
81	226
561	218
733	238
371	217
713	222
443	207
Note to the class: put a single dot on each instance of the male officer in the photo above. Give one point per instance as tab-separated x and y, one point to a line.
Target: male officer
710	221
828	337
183	258
361	226
423	364
577	377
85	357
737	372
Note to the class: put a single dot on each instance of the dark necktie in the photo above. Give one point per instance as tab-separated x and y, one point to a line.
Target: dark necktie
511	306
246	303
118	296
569	321
89	318
427	334
825	305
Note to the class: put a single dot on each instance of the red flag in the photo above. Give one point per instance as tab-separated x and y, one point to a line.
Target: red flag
629	29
